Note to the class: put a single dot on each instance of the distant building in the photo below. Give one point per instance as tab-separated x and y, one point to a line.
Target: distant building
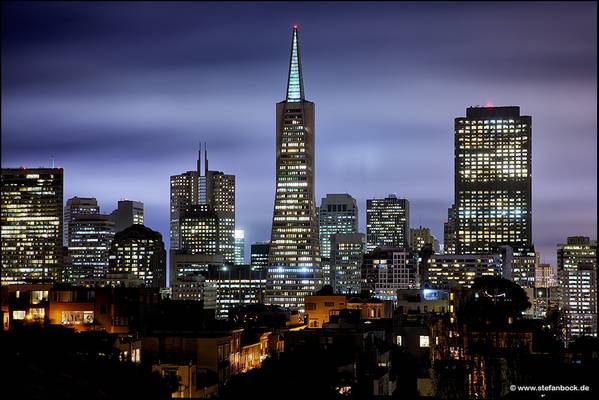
449	271
386	270
239	247
90	240
189	287
127	213
545	276
139	252
387	223
31	215
294	259
577	272
259	256
184	192
449	232
338	213
524	266
77	205
422	236
492	180
347	250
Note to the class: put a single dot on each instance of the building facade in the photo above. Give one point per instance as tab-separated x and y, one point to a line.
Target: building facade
386	270
77	205
239	246
450	271
577	273
419	237
387	223
139	252
184	192
128	213
259	256
449	232
492	180
294	258
32	218
347	250
338	213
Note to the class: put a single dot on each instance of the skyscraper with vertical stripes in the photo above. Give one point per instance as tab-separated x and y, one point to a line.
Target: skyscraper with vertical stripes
294	257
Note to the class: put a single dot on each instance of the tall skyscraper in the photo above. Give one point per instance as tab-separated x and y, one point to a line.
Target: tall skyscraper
239	246
492	180
31	223
75	206
128	213
387	223
90	240
138	252
294	259
259	256
577	274
338	213
184	192
347	250
199	230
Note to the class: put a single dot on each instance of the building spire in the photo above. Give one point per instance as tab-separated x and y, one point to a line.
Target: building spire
295	83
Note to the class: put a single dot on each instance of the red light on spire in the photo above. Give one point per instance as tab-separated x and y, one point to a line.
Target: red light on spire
489	105
295	26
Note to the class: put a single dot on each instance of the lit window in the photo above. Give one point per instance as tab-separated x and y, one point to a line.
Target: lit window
424	342
398	340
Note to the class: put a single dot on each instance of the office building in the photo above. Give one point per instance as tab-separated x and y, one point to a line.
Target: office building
386	270
387	223
492	180
347	250
32	218
90	241
338	213
239	247
77	205
294	259
198	225
138	252
545	277
577	273
451	271
524	264
449	232
128	213
259	256
184	192
419	237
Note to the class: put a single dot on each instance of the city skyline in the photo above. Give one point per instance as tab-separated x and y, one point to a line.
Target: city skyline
137	118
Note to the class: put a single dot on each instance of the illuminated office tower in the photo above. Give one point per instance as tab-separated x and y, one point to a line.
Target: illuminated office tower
91	237
259	256
524	266
419	237
294	259
387	223
577	274
128	213
492	180
239	247
31	223
199	230
220	195
347	250
184	192
77	205
545	276
449	231
138	252
338	213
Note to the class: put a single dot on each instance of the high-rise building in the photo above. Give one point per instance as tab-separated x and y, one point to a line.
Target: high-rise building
239	246
492	180
450	271
259	256
338	213
91	237
138	251
419	237
31	223
577	273
294	259
347	250
385	270
387	223
128	213
198	226
184	192
449	232
77	205
545	276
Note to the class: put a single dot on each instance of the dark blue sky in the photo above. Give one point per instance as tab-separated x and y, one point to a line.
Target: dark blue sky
121	93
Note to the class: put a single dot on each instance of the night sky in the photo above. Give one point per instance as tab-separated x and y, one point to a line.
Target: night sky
120	94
